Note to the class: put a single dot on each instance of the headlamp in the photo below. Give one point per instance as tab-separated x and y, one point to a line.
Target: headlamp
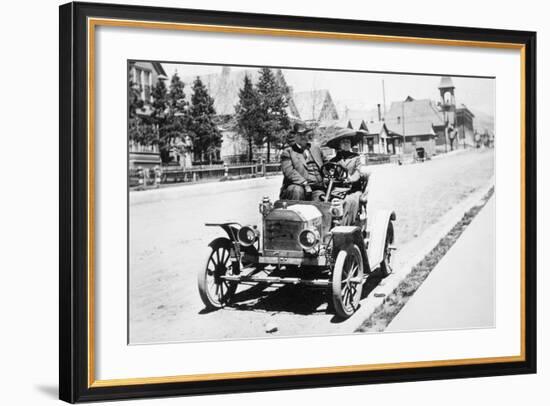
247	235
337	208
308	239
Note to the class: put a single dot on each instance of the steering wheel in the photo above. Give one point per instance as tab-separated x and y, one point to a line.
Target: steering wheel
334	171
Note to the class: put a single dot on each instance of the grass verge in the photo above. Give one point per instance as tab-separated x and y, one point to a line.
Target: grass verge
382	316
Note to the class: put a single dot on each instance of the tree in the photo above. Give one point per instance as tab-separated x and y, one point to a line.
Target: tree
158	107
176	95
272	109
247	114
205	133
176	121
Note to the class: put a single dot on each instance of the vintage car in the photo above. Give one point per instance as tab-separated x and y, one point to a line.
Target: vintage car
302	242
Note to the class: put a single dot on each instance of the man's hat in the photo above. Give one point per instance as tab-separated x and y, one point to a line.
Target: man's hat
353	135
300	128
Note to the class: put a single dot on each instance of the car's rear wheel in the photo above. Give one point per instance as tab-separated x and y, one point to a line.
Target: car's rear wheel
215	291
347	281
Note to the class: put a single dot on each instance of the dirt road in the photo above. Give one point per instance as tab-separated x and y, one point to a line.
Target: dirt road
168	245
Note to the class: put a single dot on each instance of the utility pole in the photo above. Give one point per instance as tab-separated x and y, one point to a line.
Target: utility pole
403	121
384	99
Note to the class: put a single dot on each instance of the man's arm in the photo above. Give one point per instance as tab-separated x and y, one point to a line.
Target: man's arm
289	172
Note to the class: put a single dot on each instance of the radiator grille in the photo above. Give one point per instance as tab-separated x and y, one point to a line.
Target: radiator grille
282	235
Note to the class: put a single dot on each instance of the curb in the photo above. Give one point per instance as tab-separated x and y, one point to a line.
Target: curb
429	239
186	190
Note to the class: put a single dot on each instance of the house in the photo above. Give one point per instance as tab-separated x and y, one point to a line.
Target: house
314	106
144	75
357	124
379	139
465	126
415	135
224	88
419	122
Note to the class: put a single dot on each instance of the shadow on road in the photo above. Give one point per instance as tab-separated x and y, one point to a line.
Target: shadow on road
289	298
296	299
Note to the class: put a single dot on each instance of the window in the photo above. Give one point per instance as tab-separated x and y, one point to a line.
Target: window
143	79
147	85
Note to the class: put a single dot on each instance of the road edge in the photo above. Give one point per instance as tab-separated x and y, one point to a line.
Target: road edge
431	238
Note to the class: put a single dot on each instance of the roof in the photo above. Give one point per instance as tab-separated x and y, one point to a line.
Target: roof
224	87
446	82
375	127
315	105
358	124
464	109
339	123
158	67
412	128
413	112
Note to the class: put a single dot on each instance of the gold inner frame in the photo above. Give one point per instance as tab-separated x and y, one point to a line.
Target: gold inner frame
94	22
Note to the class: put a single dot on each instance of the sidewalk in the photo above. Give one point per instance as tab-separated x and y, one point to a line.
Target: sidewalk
460	291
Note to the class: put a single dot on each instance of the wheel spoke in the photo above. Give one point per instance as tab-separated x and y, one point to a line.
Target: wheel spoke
221	292
346	297
217	257
211	261
224	257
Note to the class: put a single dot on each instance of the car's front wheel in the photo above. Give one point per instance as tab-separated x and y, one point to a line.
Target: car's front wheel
347	281
215	291
385	265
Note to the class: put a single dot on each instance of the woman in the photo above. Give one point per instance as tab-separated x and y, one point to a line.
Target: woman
342	142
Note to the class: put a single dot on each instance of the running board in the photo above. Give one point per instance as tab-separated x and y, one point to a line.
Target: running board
276	279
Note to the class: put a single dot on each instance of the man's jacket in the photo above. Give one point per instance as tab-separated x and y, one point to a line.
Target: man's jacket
294	165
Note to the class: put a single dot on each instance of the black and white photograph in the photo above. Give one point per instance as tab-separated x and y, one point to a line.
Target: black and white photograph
268	201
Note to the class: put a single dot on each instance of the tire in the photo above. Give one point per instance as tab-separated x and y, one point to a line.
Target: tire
385	265
347	281
214	291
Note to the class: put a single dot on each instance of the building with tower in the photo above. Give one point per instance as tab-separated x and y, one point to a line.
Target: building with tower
418	121
459	121
435	126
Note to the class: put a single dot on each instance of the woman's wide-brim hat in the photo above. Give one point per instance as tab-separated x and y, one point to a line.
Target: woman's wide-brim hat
347	133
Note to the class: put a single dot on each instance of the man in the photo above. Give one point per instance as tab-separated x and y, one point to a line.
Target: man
301	164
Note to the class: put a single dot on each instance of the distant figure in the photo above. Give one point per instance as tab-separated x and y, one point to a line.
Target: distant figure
343	142
301	164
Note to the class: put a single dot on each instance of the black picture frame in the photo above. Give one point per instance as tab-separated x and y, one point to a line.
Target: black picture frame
74	380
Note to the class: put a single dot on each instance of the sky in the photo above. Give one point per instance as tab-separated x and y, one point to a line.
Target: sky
363	90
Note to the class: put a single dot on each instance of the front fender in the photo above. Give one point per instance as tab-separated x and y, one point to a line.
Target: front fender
378	225
231	229
344	236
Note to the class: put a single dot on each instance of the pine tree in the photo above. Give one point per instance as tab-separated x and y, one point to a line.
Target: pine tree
159	107
176	121
176	95
205	133
160	101
247	114
272	109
